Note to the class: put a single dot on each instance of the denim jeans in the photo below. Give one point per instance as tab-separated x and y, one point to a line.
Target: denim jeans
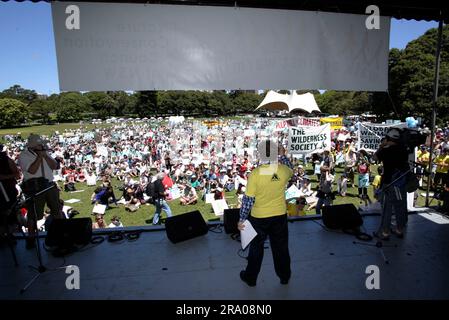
160	205
394	199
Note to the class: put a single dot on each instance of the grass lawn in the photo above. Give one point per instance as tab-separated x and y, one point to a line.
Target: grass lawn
144	215
49	129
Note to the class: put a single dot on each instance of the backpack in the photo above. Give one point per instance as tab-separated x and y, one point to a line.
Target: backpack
150	191
363	168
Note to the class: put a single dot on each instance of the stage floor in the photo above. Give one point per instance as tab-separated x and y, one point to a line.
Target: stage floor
325	265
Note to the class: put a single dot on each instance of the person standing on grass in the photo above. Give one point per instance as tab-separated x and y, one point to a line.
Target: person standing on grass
159	196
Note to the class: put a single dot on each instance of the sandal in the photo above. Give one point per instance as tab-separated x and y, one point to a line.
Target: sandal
381	236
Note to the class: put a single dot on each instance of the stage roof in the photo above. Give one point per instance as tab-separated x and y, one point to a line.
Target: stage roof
417	10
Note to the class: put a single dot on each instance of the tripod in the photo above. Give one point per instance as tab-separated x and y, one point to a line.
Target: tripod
40	269
379	244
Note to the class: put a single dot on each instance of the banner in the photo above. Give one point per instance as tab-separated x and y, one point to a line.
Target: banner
312	122
370	134
299	121
124	46
336	123
304	140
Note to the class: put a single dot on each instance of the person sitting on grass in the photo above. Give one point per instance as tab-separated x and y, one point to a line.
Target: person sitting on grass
189	197
104	195
99	222
132	202
115	222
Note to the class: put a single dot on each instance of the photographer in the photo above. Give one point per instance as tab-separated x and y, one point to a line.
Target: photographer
394	156
325	195
37	167
9	174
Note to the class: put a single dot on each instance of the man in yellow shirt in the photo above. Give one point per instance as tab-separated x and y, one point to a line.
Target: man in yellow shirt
265	200
423	158
442	162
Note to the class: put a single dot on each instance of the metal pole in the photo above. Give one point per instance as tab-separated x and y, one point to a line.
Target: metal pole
434	105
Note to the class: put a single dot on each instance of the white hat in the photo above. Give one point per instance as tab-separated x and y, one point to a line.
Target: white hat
189	173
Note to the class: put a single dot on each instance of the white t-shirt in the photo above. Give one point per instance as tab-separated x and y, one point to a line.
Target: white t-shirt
26	158
112	225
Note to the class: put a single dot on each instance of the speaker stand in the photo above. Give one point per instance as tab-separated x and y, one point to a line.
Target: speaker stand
379	244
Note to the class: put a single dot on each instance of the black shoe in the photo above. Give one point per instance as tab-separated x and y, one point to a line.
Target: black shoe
243	277
381	236
397	233
284	281
30	244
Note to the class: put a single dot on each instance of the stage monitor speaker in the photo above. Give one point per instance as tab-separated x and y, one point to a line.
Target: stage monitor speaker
342	216
231	218
185	226
67	233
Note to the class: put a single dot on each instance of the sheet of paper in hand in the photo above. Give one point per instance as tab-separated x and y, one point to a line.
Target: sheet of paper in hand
247	234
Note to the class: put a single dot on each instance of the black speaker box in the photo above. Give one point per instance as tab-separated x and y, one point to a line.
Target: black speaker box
185	226
231	218
342	216
66	233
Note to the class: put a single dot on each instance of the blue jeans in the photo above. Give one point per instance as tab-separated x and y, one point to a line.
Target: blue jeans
160	205
393	199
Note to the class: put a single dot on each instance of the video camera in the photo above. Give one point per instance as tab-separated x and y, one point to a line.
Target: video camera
410	137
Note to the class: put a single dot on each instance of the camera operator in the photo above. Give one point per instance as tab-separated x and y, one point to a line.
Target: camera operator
394	156
9	174
37	167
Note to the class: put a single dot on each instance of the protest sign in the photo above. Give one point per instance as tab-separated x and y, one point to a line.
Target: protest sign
304	140
335	122
298	121
370	134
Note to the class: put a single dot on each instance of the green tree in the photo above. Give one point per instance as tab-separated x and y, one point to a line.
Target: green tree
125	103
71	106
41	109
246	102
103	104
146	104
12	112
411	75
19	93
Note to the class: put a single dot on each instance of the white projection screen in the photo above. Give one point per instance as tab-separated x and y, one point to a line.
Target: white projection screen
177	47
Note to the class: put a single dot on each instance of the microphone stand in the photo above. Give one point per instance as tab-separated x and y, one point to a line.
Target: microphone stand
40	269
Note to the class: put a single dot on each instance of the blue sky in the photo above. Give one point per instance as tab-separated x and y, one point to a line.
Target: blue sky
28	57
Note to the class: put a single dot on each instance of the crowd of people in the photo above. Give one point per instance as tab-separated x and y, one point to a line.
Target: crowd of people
193	159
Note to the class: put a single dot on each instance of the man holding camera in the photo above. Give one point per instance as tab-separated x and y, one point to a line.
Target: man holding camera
37	167
394	156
